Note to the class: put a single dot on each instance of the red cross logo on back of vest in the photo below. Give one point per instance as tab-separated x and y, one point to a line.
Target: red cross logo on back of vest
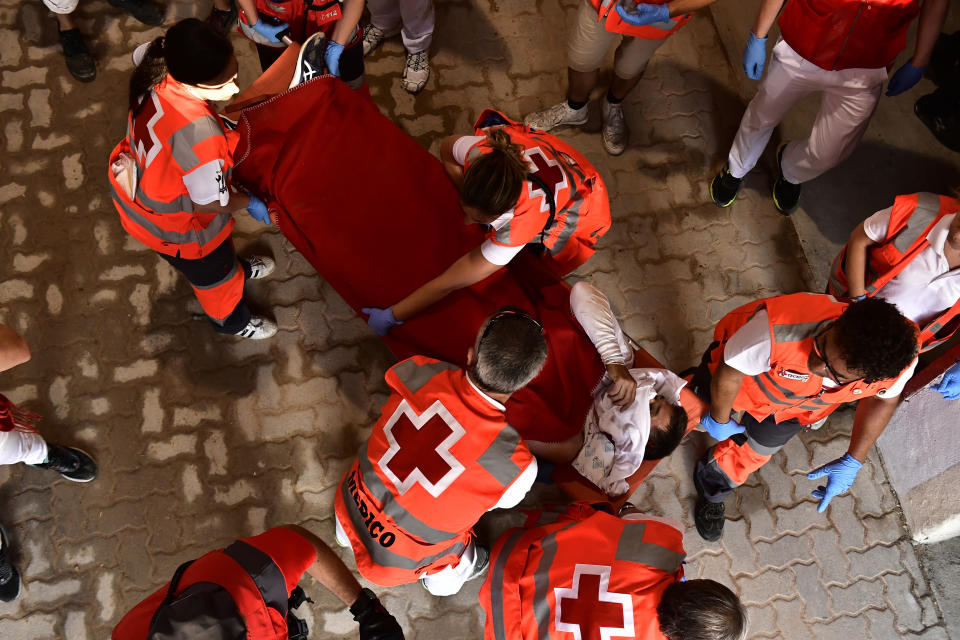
419	451
589	611
547	170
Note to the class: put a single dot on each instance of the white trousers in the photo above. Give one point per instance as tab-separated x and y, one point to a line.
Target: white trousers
849	99
415	17
445	582
22	446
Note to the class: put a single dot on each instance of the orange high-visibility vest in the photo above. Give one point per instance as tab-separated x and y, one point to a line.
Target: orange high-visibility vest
789	389
440	457
172	134
570	574
911	219
655	31
581	205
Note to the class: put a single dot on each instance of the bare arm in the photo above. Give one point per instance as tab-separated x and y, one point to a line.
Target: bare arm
766	17
855	264
352	10
451	166
680	7
467	270
932	15
723	391
328	569
871	419
249	8
13	349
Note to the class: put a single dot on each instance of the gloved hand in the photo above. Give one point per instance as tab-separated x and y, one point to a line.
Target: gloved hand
754	55
258	209
331	57
720	430
375	621
840	473
269	31
380	320
645	14
949	385
904	78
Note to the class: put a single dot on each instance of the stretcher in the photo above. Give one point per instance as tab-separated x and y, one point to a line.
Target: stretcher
376	215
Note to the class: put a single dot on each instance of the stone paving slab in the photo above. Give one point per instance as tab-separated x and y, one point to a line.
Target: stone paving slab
202	438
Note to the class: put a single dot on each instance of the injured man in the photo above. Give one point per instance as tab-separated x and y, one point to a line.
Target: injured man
636	413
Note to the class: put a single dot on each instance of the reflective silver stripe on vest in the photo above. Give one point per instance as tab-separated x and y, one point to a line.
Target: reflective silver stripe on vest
928	205
496	459
474	153
762	449
541	583
761	381
381	555
570	223
632	548
390	507
502	235
414	376
178	205
496	585
572	209
201	237
186	137
223	280
796	332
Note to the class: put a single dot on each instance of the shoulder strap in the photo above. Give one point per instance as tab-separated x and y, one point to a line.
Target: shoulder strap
548	194
264	572
171	590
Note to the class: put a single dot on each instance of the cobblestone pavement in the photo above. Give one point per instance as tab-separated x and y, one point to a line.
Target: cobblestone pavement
203	438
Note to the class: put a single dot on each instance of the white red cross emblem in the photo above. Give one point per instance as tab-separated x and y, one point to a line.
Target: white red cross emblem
419	451
589	611
549	172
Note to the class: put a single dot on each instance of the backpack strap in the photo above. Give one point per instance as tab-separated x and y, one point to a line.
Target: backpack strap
548	194
264	572
171	590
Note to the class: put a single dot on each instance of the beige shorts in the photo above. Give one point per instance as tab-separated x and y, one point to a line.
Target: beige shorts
61	6
590	42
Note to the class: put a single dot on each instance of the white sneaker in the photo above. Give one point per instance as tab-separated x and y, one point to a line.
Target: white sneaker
310	63
260	266
258	328
373	37
614	130
416	71
556	116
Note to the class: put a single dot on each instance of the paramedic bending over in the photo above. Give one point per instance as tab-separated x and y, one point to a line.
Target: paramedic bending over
529	188
170	175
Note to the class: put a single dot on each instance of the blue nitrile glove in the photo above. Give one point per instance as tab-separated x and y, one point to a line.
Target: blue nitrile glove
840	473
268	30
645	14
949	385
720	430
258	210
754	55
904	78
380	320
331	57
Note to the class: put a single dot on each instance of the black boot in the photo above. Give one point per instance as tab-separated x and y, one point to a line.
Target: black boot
9	577
71	463
77	56
709	518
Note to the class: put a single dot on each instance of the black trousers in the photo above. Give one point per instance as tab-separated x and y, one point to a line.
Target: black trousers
210	271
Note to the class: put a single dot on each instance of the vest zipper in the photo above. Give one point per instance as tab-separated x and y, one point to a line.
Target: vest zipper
847	39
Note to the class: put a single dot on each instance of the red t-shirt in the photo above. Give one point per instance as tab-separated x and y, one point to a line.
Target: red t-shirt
290	551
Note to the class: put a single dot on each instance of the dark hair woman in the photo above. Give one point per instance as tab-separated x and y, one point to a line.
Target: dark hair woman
170	175
529	188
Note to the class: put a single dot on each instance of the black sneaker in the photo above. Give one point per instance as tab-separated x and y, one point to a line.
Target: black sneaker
709	518
940	116
786	195
71	463
9	577
310	61
724	188
146	11
222	20
75	52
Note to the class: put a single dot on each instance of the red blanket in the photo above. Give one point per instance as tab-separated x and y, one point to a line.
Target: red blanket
376	215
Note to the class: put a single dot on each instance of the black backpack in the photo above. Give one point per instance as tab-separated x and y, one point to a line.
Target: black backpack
207	611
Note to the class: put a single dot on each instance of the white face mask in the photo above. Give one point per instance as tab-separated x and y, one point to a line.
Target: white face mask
216	94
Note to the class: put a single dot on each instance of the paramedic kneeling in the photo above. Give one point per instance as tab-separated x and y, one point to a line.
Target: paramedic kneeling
246	591
441	455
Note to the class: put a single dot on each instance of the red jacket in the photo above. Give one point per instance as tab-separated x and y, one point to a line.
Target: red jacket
569	575
848	34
